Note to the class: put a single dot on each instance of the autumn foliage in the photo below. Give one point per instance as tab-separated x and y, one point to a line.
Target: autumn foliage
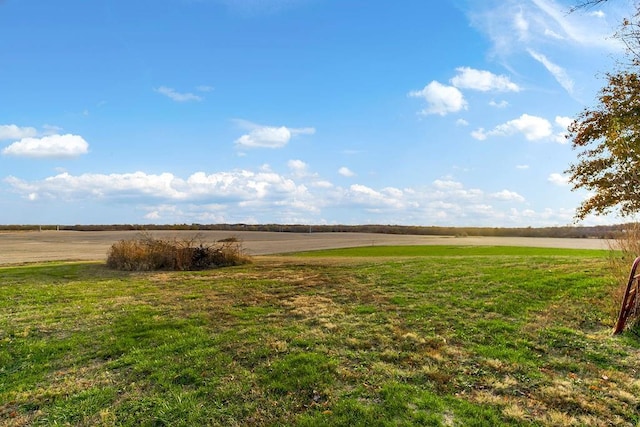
609	136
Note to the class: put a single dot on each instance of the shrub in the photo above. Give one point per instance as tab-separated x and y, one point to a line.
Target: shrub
146	253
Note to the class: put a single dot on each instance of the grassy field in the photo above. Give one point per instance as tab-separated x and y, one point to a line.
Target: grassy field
375	336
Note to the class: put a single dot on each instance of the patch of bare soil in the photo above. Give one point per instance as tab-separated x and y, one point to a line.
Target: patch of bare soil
26	247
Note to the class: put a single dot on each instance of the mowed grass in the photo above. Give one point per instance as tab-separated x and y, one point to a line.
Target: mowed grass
376	336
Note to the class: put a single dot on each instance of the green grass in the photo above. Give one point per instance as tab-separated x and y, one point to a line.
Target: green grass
446	250
369	336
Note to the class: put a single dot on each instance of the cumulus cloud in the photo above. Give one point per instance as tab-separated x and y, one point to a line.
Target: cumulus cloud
345	171
16	132
562	123
267	196
300	169
269	136
484	81
558	179
298	166
447	184
59	146
441	99
177	96
532	127
508	196
235	185
379	200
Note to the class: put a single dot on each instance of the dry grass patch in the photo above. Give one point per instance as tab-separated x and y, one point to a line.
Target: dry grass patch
147	253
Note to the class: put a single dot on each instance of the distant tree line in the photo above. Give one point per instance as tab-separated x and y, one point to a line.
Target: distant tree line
586	232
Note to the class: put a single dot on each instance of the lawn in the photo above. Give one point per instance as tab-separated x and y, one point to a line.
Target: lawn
376	336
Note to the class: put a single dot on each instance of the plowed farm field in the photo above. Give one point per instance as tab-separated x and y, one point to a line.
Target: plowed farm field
27	247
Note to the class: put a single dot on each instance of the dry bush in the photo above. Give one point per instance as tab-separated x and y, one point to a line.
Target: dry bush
146	253
625	248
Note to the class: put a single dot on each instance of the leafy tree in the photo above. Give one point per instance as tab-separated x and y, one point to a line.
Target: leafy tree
609	135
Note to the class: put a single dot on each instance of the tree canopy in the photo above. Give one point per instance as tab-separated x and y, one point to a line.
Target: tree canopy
609	135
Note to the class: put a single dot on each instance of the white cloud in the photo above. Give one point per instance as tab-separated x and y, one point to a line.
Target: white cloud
559	73
153	215
552	34
462	122
441	99
521	25
514	26
547	33
48	146
269	136
238	185
51	130
363	189
563	124
266	196
300	169
362	195
322	184
480	134
298	166
16	132
576	28
484	81
501	104
532	127
558	179
508	196
345	171
522	167
177	96
447	184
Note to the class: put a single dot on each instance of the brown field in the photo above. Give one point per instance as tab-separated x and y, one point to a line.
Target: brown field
24	247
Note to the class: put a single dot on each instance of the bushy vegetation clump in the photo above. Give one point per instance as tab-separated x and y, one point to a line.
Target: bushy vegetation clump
148	253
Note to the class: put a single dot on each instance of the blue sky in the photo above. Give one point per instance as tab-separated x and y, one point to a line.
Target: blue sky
296	111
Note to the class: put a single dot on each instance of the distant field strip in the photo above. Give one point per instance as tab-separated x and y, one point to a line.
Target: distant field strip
21	247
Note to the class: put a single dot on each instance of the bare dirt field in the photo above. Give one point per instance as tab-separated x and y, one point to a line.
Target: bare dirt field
23	247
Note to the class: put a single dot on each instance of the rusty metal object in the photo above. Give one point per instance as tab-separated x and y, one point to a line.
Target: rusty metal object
630	300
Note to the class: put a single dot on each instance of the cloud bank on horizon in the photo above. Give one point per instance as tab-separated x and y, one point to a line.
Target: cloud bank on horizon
297	111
